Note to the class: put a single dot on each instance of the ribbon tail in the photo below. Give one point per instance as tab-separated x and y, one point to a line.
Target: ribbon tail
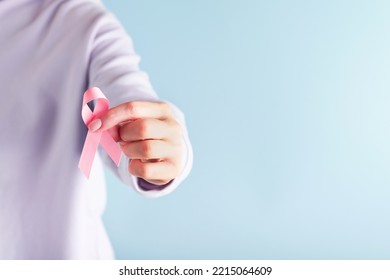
112	148
88	154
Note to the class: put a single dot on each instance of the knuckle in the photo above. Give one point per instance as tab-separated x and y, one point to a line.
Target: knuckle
147	149
142	129
132	167
126	150
166	108
137	168
131	108
145	171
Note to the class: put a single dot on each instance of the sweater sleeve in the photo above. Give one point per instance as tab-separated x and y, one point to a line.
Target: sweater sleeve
114	68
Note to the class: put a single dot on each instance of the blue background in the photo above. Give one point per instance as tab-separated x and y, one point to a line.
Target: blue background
287	105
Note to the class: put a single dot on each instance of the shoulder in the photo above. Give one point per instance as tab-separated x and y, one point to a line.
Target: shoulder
77	13
84	17
75	6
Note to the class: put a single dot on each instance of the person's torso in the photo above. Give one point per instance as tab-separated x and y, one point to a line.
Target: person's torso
47	208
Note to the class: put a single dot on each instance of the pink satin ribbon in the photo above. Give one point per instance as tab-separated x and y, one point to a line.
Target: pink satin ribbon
93	139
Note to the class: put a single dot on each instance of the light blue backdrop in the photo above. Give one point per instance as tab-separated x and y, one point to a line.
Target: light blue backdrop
288	108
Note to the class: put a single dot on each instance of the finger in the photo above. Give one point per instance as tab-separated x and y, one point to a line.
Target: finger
149	129
131	111
150	149
114	132
163	171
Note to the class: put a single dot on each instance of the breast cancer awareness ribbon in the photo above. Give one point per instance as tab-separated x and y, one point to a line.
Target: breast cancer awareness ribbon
93	139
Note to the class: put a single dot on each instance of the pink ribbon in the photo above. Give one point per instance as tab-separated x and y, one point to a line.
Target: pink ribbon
93	139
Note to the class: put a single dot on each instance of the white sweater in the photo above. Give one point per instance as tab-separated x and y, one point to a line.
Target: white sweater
51	51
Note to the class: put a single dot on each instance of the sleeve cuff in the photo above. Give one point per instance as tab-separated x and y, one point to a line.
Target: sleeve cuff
146	186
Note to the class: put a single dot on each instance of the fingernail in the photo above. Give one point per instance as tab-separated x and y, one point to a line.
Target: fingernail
95	125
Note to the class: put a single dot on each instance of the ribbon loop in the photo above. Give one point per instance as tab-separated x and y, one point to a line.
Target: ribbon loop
93	139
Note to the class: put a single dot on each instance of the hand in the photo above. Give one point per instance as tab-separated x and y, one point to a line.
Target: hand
148	135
